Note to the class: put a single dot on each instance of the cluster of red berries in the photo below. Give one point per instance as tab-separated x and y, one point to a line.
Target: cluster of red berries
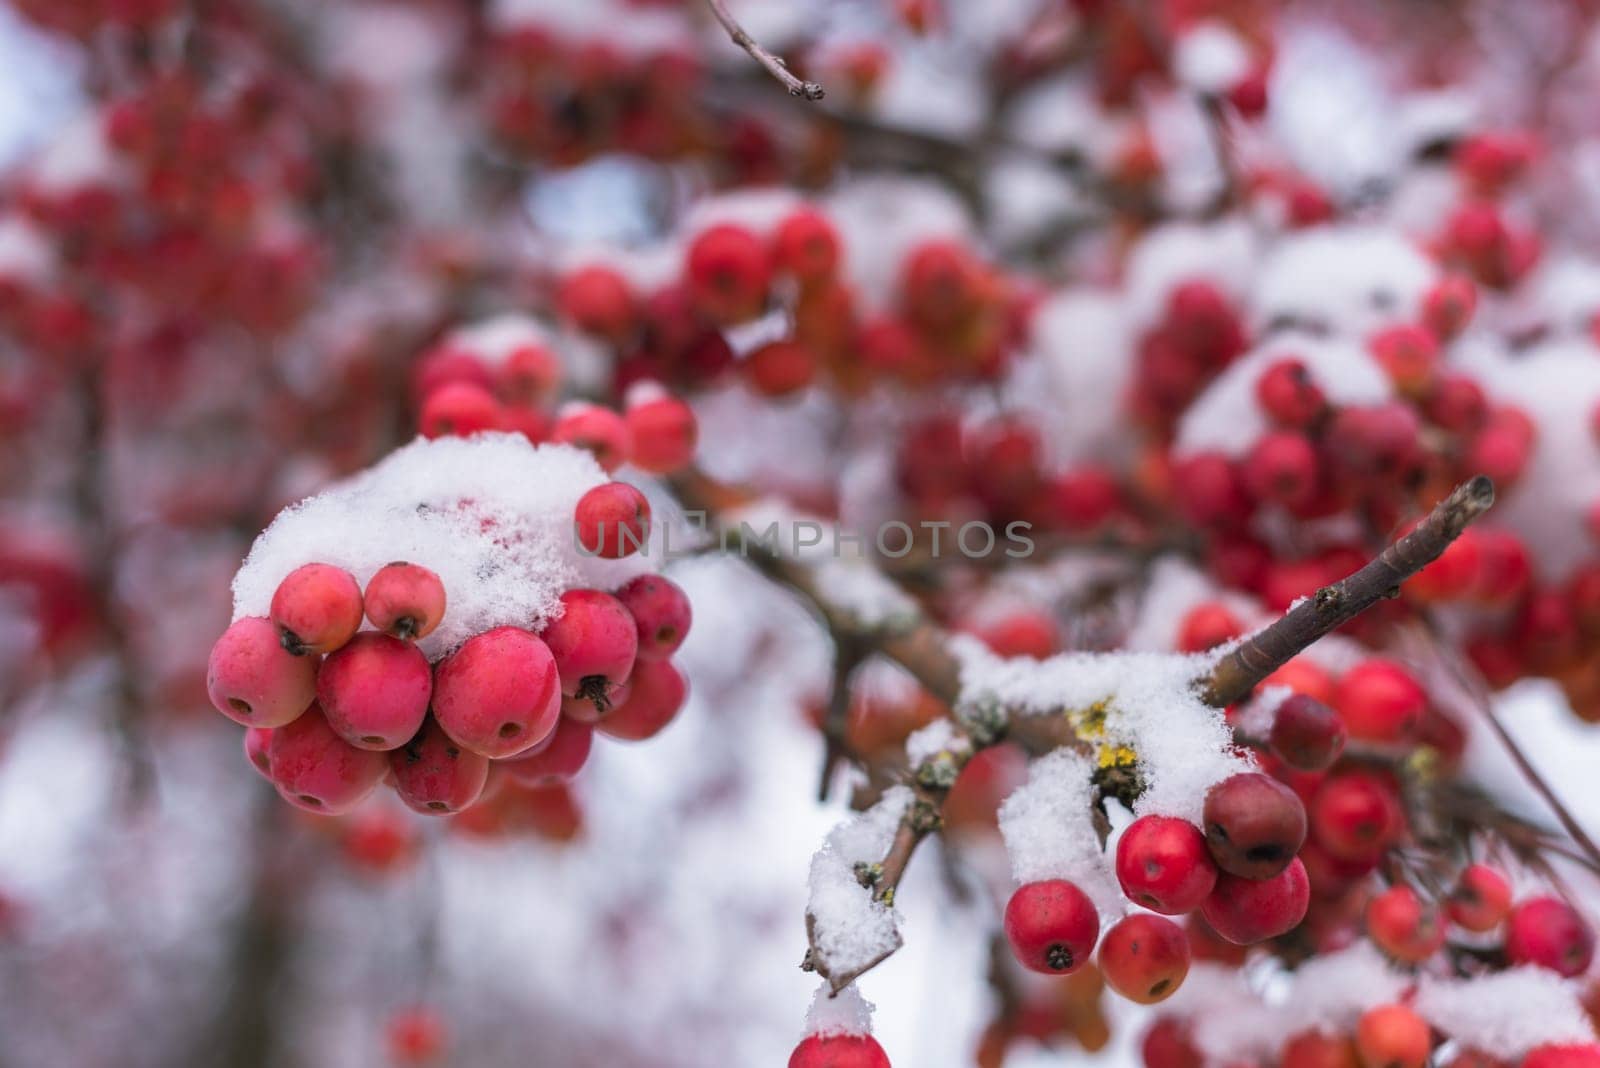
953	315
332	710
1482	235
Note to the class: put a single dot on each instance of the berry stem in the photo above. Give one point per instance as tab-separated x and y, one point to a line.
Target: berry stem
769	62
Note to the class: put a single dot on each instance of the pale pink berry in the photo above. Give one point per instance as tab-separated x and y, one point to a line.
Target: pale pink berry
556	759
318	771
375	690
253	680
434	775
405	600
656	692
317	608
499	694
594	643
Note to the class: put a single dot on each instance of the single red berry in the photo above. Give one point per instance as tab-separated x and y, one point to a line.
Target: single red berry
1452	576
1163	864
378	838
1564	1055
416	1036
558	758
654	695
1448	305
529	376
253	680
1356	814
1318	1049
1208	491
498	694
1208	625
1254	825
728	270
1306	734
1457	403
1393	1036
444	364
661	614
1403	926
664	431
781	368
594	642
1023	632
317	608
1409	354
1481	899
1168	1044
597	300
1246	911
1380	701
1548	932
942	285
806	246
612	521
1289	395
257	742
1502	447
375	690
600	430
1504	567
459	409
839	1051
1052	926
404	600
435	776
1085	497
316	770
1145	958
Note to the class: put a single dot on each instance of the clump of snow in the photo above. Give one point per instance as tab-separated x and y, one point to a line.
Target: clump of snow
1227	416
844	1013
849	927
630	29
1353	278
1223	254
1049	833
1567	291
919	92
491	514
1060	115
1211	58
1506	1014
1183	746
937	737
493	340
900	214
1081	365
24	252
79	158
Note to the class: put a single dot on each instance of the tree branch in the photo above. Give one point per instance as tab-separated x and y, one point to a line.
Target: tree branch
1237	673
773	65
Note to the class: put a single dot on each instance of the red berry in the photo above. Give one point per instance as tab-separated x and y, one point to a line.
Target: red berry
1246	911
1392	1036
1452	576
664	431
1380	701
529	376
594	642
600	430
1504	569
379	838
558	758
1400	924
1481	899
661	614
1502	447
253	680
839	1051
375	690
1163	864
317	608
1208	624
1379	444
1289	395
1457	403
1306	734
445	364
1085	498
1408	353
612	520
1254	825
1548	932
1168	1045
728	271
416	1035
1208	491
597	300
1356	815
941	285
655	693
405	600
1447	307
499	693
781	368
314	769
257	742
1052	926
806	246
1145	958
459	409
1317	1049
1569	1055
435	776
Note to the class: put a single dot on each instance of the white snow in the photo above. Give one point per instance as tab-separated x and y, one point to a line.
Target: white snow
937	737
25	253
1049	834
1347	278
1211	58
490	514
493	340
849	928
882	219
844	1013
1506	1014
1222	253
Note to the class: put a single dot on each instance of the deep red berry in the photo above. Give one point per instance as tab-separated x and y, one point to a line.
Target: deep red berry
1052	926
1408	353
1208	491
806	246
375	690
612	521
459	409
1168	1044
664	431
1448	305
405	600
1548	932
317	608
498	694
1318	1049
1355	814
529	376
1452	576
1282	469
1306	734
1145	958
655	693
314	769
1085	497
661	614
1403	926
781	368
1566	1055
1163	864
1254	825
728	270
1380	701
839	1051
556	759
435	776
1481	899
600	430
597	300
1289	395
1208	624
1246	911
253	680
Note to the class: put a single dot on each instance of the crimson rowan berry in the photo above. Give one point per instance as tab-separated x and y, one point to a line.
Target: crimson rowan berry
1052	926
1163	864
655	693
1254	825
315	769
661	614
435	776
1246	911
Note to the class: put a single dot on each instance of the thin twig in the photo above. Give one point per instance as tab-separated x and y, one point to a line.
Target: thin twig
774	66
